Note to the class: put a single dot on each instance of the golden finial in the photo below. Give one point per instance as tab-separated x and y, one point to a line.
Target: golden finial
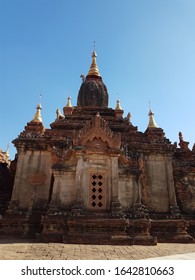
118	105
37	116
152	123
93	71
69	102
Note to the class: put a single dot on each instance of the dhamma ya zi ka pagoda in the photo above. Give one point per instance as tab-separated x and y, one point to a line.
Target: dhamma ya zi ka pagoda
93	178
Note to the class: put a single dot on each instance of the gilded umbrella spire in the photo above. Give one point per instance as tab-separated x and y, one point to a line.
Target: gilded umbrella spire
118	105
93	71
37	116
69	102
152	123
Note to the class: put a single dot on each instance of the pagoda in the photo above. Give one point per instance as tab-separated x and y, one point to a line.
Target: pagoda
93	178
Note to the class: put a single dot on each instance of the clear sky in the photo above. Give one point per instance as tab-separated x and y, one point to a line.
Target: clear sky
145	48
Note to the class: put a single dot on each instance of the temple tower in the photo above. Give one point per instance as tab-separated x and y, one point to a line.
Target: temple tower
93	91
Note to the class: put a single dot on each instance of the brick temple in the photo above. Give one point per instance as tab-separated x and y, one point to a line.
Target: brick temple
92	177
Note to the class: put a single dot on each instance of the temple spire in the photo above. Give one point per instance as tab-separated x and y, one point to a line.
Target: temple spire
68	109
69	102
93	71
152	123
37	116
118	105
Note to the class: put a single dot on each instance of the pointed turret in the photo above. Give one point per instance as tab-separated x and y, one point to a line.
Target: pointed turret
154	133
152	123
69	102
68	109
93	71
36	125
37	116
118	105
118	110
33	130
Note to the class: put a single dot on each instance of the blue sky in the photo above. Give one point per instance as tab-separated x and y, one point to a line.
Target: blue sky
145	48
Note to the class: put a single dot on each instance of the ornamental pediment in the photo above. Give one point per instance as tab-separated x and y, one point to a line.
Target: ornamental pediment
97	130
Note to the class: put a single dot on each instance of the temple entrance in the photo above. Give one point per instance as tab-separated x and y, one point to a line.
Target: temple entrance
97	191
